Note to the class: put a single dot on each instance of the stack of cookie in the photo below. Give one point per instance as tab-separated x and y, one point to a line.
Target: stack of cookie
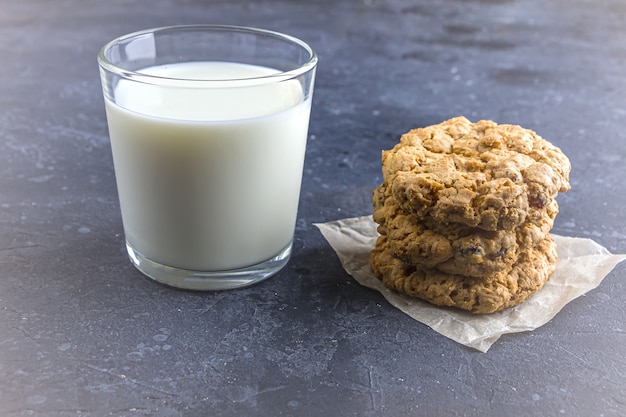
465	213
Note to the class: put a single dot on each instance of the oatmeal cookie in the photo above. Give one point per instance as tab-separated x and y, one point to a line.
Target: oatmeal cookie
461	249
455	248
480	174
481	295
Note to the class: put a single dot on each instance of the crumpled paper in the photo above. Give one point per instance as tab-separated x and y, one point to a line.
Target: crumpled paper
583	264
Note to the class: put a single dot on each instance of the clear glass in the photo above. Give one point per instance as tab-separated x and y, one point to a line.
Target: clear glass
208	127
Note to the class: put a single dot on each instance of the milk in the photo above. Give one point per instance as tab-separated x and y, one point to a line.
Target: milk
208	179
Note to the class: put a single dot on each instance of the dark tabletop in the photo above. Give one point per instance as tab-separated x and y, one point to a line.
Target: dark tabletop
83	333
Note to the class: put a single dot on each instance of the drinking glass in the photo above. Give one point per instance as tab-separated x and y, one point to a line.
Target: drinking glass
208	127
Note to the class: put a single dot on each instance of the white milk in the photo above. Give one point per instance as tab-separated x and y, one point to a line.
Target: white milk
208	180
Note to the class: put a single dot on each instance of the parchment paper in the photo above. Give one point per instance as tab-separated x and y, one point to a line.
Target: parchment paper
583	264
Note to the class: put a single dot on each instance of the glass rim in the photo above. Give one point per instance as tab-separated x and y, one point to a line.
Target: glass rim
109	66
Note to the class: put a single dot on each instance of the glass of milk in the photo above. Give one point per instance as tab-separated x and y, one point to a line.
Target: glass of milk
208	127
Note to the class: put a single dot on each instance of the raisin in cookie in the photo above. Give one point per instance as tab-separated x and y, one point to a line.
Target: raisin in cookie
481	295
480	174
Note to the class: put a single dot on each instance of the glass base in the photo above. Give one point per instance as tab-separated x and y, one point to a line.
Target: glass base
208	280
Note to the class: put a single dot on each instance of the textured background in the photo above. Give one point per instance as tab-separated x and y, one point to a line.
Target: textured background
83	333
